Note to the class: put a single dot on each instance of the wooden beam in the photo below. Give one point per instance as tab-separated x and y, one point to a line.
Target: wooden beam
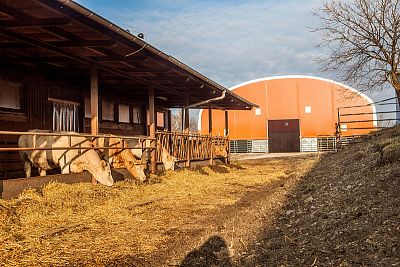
210	134
187	131
94	100
152	128
94	105
33	22
226	123
209	121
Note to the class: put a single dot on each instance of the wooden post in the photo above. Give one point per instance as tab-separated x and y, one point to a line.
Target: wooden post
226	133
152	128
183	119
228	159
187	131
169	120
94	106
210	134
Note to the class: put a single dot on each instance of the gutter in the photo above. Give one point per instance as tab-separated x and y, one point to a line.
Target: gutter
208	101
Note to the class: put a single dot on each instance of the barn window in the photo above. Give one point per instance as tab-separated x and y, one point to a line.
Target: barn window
107	111
65	115
88	111
123	113
10	95
137	115
160	119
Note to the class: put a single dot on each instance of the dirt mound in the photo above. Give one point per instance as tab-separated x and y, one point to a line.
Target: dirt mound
344	212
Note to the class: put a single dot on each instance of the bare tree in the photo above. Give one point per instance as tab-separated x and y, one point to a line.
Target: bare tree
176	121
363	40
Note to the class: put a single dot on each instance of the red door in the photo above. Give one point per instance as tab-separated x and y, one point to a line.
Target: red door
283	136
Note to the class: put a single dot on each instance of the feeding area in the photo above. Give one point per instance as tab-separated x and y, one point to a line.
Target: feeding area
336	209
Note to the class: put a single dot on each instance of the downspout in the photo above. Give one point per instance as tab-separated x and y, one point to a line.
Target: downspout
207	101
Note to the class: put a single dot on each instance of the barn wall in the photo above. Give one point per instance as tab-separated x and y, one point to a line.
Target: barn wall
287	98
36	111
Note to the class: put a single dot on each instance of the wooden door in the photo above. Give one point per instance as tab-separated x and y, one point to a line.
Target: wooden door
284	135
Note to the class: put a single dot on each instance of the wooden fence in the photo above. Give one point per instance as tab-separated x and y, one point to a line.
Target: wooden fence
185	147
191	147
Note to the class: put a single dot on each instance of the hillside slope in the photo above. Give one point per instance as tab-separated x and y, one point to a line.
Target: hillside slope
344	212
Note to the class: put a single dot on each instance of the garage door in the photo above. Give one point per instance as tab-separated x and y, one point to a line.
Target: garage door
284	136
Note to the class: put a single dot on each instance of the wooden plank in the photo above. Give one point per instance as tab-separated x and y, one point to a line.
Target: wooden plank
152	128
94	105
94	101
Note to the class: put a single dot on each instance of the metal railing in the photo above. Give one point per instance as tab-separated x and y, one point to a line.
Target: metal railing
357	122
326	144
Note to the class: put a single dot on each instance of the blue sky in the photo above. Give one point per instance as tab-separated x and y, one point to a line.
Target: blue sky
229	41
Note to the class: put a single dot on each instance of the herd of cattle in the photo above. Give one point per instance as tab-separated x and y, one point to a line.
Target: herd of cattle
113	152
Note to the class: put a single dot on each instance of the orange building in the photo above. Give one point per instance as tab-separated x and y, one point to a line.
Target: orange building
294	111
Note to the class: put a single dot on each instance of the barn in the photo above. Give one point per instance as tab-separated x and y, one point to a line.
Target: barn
295	114
65	68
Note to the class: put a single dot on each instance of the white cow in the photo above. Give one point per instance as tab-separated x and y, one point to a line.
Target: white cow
70	161
121	158
138	152
167	159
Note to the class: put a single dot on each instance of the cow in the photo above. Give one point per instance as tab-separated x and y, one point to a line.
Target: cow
221	151
121	158
167	159
69	160
136	148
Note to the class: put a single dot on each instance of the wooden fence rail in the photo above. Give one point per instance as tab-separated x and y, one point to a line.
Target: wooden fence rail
190	147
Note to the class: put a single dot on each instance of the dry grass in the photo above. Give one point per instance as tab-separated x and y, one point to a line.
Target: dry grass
82	224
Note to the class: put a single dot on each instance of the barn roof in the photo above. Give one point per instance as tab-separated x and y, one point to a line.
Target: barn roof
66	39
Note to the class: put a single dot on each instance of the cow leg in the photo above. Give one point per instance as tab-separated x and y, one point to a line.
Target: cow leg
42	172
27	168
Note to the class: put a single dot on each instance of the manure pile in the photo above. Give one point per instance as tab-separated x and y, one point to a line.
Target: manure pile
344	212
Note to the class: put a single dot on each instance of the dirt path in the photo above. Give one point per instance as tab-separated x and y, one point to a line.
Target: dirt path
227	235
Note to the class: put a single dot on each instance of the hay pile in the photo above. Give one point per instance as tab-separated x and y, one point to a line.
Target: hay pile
85	224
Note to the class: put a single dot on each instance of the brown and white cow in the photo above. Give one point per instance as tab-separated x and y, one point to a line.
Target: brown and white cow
70	161
121	158
167	159
221	151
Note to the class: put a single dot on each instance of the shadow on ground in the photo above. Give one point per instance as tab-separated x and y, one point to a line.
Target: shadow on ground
214	252
344	212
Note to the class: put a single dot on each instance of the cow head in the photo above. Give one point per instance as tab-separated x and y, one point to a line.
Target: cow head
103	174
169	163
136	168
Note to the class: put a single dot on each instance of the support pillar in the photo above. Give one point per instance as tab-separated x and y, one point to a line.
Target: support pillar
228	159
187	131
152	130
210	134
182	119
94	106
226	132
